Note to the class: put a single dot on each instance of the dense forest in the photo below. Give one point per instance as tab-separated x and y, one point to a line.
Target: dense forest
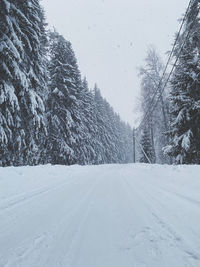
48	114
170	102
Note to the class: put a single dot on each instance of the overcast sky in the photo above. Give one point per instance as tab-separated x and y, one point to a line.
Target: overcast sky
110	39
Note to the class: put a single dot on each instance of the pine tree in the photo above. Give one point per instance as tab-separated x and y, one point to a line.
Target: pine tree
147	149
89	123
127	146
11	50
185	94
102	133
81	125
35	67
114	138
22	126
64	102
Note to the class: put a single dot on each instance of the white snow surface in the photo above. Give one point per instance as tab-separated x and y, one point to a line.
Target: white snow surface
100	216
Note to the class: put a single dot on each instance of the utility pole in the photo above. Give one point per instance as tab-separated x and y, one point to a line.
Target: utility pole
134	148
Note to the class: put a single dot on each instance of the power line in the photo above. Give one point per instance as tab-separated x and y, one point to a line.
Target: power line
174	66
150	111
166	66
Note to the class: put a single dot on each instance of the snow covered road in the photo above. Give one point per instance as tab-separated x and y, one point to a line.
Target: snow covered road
100	216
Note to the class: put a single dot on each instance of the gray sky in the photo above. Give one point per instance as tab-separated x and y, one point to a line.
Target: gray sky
110	39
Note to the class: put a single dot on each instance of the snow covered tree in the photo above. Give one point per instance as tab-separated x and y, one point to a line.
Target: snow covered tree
81	125
64	102
147	149
114	137
157	120
101	136
34	38
88	144
128	143
11	50
185	94
22	123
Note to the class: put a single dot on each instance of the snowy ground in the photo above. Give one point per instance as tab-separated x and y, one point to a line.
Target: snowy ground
100	216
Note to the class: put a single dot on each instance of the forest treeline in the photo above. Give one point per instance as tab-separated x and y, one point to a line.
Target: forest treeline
48	114
170	128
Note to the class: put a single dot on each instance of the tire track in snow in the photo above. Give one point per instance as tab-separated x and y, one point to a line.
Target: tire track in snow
52	237
180	199
65	234
164	190
139	230
168	234
22	198
145	240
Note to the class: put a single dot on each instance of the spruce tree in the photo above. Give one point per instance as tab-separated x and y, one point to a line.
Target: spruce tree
11	49
22	110
102	135
185	94
89	124
114	137
64	102
147	149
34	38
